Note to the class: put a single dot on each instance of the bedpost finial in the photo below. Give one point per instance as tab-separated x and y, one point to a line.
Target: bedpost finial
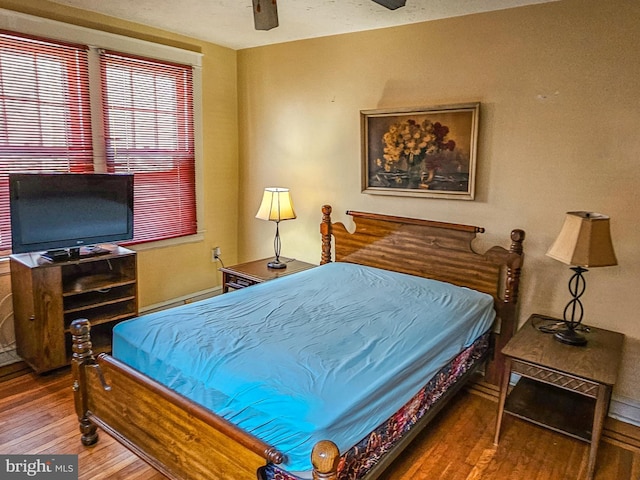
80	326
324	458
274	455
81	339
517	237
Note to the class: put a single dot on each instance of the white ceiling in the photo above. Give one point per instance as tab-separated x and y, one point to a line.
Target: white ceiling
230	22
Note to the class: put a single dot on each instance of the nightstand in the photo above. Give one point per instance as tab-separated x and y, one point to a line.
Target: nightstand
247	274
562	387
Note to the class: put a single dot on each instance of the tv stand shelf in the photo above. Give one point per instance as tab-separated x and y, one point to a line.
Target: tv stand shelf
48	296
93	283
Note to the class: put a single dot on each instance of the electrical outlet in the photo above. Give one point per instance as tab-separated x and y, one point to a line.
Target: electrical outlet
215	253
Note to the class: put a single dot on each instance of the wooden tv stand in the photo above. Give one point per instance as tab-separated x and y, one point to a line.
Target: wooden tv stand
48	296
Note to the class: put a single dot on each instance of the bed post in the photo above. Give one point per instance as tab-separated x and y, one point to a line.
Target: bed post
514	265
507	307
325	230
81	358
324	458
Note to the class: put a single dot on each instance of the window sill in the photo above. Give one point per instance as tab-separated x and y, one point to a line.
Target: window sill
139	247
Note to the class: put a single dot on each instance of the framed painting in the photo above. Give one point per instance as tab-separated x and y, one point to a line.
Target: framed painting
420	152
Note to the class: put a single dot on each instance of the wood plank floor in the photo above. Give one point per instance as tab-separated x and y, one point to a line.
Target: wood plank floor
36	416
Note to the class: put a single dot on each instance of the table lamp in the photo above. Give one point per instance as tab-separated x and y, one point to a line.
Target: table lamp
276	206
584	241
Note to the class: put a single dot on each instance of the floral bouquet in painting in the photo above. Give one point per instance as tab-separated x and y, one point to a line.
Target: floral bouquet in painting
414	151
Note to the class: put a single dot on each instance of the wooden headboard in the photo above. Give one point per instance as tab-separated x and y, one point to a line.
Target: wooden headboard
438	250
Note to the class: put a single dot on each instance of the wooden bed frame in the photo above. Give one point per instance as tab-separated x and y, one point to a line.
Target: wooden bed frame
183	440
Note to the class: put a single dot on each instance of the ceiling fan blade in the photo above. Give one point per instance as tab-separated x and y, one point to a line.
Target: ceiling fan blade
265	14
391	4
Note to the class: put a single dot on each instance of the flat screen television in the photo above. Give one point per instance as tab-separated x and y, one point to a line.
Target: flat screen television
64	213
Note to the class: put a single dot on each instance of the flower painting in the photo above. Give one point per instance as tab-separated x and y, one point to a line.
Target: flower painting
428	152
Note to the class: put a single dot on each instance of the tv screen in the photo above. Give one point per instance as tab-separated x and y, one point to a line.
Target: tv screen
59	211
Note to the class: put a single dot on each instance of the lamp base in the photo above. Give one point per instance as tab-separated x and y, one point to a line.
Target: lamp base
277	264
570	337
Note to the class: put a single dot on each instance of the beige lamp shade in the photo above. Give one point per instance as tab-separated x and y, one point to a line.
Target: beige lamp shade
585	241
276	205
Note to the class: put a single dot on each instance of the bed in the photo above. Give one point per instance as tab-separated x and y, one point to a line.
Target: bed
293	368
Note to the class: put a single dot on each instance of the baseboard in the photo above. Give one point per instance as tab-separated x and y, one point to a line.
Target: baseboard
622	434
621	427
478	386
625	409
175	302
7	372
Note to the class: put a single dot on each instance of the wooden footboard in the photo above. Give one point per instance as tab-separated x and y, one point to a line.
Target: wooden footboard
178	437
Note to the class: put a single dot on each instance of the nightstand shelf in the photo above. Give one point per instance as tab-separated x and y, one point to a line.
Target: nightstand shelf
545	405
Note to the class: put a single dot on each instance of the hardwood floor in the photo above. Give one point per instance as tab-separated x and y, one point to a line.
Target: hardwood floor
36	416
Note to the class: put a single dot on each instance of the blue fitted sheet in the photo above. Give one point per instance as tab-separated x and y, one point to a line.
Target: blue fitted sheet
328	353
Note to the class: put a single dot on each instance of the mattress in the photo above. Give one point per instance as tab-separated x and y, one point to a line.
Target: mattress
328	353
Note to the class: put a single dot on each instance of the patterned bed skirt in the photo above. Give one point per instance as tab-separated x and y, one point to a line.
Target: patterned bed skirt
357	461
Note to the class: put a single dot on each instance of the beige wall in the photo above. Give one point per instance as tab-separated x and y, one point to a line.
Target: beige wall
559	123
178	271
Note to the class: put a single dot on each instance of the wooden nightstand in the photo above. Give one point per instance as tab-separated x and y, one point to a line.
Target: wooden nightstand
247	274
563	387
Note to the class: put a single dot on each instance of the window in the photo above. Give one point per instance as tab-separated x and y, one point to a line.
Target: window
45	122
145	126
148	117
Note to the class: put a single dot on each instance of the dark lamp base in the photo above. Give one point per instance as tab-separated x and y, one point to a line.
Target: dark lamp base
277	264
570	337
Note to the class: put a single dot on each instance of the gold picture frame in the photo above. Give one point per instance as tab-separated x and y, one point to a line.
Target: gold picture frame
420	152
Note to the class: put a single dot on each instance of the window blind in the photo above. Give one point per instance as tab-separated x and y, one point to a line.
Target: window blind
45	122
148	121
148	117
